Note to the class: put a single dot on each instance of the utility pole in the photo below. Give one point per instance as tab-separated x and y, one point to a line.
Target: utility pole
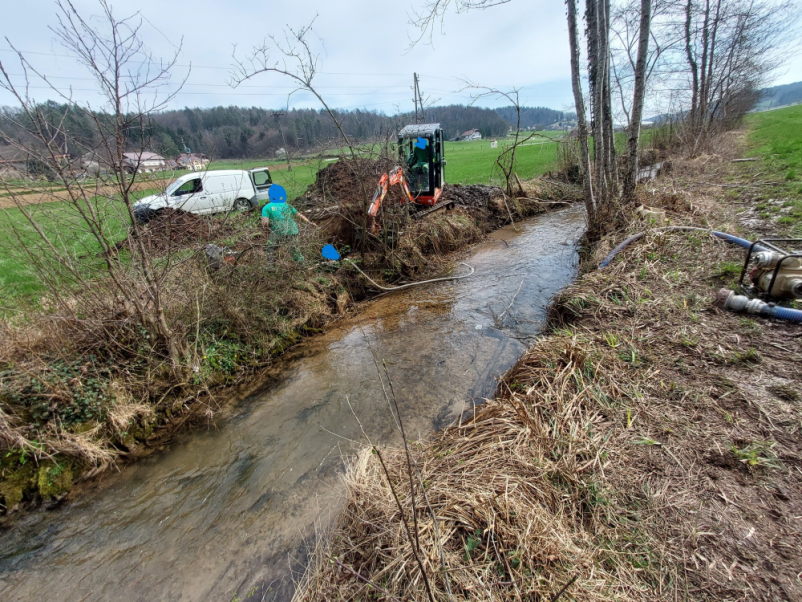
277	115
418	100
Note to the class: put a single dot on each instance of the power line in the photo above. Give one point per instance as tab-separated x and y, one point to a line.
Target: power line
91	79
182	93
229	68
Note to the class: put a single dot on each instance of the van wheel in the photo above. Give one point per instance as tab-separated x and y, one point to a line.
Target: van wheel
242	205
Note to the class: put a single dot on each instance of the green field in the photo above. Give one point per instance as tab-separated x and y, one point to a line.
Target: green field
63	226
776	137
474	162
467	163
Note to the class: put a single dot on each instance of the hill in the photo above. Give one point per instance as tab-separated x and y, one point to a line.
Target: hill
538	118
779	96
238	133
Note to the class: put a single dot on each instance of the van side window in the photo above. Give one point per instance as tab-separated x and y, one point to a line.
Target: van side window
261	178
189	187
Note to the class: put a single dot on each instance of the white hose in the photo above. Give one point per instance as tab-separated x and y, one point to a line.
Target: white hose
398	288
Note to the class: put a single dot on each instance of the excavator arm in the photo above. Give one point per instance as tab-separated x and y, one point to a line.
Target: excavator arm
393	178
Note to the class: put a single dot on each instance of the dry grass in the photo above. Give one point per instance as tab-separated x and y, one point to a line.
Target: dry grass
647	448
520	509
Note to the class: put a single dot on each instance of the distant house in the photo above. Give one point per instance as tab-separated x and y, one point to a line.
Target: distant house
143	162
557	126
193	161
470	135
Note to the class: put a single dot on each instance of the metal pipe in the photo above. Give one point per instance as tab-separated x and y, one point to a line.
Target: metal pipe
727	299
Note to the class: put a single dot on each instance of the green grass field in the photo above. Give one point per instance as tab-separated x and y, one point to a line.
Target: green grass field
474	162
776	137
467	163
63	226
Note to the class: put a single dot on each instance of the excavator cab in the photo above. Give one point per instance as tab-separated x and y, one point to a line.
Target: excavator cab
420	150
420	173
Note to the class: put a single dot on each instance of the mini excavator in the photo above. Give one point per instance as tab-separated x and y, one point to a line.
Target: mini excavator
420	175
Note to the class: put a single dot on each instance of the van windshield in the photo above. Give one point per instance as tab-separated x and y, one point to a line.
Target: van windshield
173	187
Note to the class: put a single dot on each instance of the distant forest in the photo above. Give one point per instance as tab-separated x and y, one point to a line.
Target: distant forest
235	132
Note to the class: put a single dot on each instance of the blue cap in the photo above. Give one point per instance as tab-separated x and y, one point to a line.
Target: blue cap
277	194
422	143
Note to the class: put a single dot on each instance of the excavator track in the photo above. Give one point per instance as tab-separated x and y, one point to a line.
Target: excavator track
438	207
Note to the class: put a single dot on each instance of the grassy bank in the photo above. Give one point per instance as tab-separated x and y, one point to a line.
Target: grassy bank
646	448
774	192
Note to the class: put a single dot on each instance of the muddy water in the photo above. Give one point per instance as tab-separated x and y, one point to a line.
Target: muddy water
230	511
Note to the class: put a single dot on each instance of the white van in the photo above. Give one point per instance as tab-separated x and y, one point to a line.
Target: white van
210	192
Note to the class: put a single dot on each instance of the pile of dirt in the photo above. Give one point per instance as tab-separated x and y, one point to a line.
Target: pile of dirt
472	195
169	230
339	182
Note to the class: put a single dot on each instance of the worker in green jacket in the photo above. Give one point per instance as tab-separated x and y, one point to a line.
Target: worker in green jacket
279	216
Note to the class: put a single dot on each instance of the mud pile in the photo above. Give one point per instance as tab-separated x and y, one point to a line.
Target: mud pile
339	183
473	195
170	230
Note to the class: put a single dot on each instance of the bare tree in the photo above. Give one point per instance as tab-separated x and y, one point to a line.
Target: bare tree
600	181
132	84
639	94
293	57
434	12
730	47
581	114
505	161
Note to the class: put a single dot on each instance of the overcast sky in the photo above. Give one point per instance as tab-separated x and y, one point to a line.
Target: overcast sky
365	58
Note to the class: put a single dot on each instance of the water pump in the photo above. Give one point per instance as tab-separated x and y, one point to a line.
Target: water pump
776	272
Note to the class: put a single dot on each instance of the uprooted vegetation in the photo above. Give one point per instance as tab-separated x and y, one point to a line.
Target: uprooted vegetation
342	190
83	384
646	448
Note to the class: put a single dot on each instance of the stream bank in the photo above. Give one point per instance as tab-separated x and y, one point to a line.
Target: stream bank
79	396
647	447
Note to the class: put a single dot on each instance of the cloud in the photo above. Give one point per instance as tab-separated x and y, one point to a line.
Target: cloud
365	57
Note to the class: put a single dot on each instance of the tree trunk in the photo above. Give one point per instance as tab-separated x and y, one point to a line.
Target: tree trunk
691	60
582	125
611	168
596	93
631	177
704	85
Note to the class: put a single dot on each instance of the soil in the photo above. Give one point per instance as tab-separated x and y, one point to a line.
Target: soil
170	229
339	183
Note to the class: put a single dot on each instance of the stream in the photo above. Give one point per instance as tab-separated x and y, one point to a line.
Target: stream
231	512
